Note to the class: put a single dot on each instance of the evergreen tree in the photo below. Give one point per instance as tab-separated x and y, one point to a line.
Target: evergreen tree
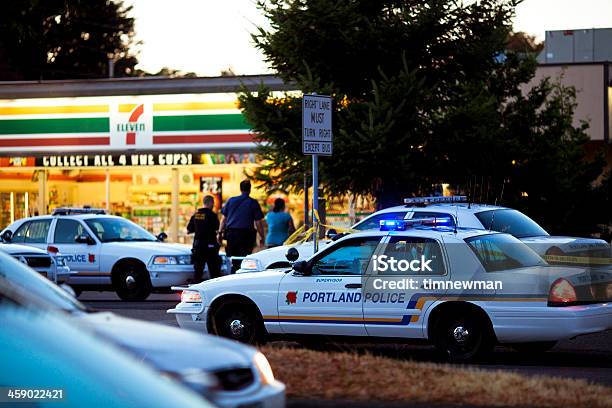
59	39
425	92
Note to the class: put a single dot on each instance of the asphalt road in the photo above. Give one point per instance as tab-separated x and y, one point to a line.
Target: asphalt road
587	357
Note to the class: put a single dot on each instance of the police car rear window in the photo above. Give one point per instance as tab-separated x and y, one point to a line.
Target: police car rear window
411	256
511	222
498	252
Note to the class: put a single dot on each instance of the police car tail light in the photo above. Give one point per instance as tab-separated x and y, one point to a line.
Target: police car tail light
191	296
52	249
562	293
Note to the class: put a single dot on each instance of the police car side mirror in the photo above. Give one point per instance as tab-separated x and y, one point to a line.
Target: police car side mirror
331	233
162	236
292	254
7	236
301	267
338	236
84	239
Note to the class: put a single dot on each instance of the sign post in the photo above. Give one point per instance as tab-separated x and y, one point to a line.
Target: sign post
316	140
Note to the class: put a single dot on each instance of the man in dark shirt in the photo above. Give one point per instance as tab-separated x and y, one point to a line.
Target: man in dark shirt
205	224
241	215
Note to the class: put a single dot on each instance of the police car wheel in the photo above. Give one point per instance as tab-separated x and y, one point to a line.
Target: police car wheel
131	282
462	338
534	347
238	321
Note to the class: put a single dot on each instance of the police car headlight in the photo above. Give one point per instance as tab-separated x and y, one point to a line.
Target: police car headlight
184	259
165	260
191	296
263	367
251	264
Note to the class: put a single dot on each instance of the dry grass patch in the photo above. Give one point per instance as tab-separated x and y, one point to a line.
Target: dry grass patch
333	375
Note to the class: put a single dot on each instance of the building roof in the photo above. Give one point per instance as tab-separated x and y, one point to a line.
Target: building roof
138	86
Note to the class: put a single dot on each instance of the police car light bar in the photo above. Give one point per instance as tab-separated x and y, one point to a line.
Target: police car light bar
75	211
435	200
393	225
403	225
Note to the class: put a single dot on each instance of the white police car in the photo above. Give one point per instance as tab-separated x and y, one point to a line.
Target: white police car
462	289
53	268
457	211
106	252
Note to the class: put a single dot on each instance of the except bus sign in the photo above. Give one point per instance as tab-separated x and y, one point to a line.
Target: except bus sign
317	125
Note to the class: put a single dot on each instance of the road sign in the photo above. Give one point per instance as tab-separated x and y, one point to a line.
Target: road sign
317	125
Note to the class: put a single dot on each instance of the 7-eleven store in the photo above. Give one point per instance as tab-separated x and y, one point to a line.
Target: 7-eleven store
141	150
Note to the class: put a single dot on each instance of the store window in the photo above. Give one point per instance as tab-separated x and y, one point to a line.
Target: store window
33	232
66	231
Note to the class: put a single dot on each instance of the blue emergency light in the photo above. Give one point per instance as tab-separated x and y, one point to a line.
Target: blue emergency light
403	225
393	225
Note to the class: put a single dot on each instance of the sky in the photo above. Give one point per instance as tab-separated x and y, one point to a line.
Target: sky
208	36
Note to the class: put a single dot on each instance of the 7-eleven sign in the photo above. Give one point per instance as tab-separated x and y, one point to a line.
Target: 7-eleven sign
131	125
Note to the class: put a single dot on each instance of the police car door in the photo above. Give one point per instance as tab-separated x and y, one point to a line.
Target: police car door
412	264
328	301
82	257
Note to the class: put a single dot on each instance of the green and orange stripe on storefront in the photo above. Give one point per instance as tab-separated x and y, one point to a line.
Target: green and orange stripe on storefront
55	126
227	127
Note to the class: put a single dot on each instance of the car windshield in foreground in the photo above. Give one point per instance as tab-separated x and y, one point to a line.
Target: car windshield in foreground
118	230
15	274
511	222
498	252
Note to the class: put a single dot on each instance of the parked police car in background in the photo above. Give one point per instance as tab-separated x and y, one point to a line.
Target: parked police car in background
458	212
53	268
107	251
334	293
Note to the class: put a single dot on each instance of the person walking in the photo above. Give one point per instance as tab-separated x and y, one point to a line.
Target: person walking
280	224
205	251
242	221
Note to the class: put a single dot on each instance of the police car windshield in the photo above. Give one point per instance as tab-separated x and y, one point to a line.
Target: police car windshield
511	222
498	252
109	229
14	274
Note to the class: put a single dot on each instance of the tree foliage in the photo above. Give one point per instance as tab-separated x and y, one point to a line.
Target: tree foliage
58	39
425	92
524	43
